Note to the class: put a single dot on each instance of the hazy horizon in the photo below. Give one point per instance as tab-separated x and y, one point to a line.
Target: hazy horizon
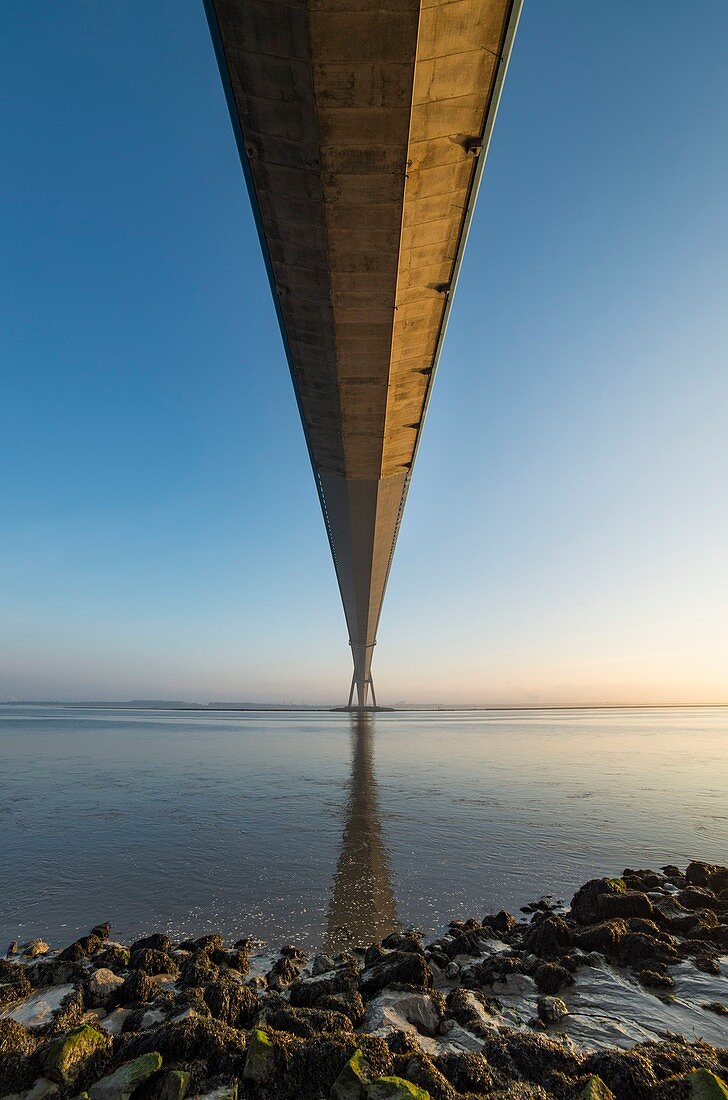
564	538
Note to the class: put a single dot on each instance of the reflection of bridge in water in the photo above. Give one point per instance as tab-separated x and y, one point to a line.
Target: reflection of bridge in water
363	129
362	909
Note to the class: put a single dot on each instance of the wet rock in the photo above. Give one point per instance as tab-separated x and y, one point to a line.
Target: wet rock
197	970
114	957
548	938
260	1058
222	1048
101	987
715	1006
699	874
655	979
395	1088
708	963
81	948
15	985
231	1002
353	1079
307	992
70	1012
551	978
64	1058
156	942
595	1089
471	1010
396	1009
103	931
34	948
137	988
586	904
627	1073
236	959
282	974
697	897
151	961
207	943
551	1009
175	1085
641	951
306	1022
501	924
705	1085
322	964
467	1072
121	1084
350	1004
398	968
421	1071
12	949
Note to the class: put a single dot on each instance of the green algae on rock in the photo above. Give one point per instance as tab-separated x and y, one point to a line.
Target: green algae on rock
705	1085
63	1059
259	1058
121	1084
353	1079
395	1088
175	1085
595	1089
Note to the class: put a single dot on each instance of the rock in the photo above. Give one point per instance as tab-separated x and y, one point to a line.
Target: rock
397	968
551	978
322	964
156	942
41	1089
282	974
715	1006
501	924
602	937
103	931
151	961
231	1002
175	1085
121	1084
260	1058
350	1004
395	1088
64	1057
100	988
452	970
114	957
468	1072
353	1079
696	898
653	979
12	949
15	1039
585	906
705	1085
708	963
35	948
194	1038
395	1009
627	1073
309	991
595	1089
551	1009
81	949
549	937
636	949
197	970
225	1092
699	873
138	988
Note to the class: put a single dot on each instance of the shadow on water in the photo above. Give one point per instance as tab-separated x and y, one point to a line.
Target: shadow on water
362	908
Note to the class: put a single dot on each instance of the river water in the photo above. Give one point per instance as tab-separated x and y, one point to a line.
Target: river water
321	828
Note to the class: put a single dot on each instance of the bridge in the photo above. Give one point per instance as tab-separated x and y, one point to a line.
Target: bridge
363	128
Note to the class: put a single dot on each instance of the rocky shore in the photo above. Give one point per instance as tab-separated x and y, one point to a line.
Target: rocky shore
622	994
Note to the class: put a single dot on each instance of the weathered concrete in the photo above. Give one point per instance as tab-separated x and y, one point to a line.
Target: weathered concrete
362	129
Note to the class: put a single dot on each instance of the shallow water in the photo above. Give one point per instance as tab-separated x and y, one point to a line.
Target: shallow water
312	827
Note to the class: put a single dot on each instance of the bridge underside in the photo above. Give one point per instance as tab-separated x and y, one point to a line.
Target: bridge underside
362	129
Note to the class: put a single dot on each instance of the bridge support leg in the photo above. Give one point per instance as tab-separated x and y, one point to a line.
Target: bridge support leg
351	691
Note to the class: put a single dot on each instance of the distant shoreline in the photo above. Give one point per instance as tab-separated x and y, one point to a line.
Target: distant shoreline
323	708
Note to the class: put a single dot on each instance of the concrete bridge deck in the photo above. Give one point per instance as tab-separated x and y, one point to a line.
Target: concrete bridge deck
363	128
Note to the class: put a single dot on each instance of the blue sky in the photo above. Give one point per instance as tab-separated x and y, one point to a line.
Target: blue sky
565	536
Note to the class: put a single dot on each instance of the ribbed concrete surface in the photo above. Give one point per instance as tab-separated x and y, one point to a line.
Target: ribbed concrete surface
361	126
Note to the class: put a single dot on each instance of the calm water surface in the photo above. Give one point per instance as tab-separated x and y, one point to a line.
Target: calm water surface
314	827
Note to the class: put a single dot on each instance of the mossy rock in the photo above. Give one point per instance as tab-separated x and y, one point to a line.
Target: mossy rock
259	1058
595	1089
704	1085
353	1079
175	1085
121	1084
64	1057
395	1088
